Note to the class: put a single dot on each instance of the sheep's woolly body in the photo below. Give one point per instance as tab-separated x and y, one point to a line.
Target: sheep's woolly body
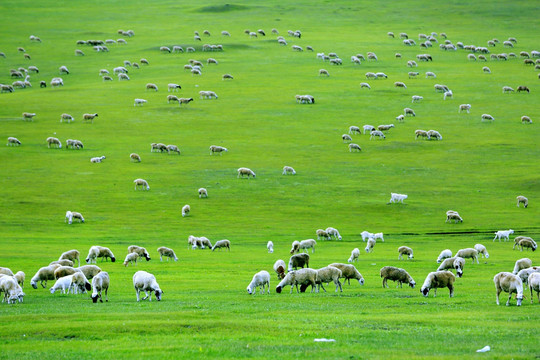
302	277
298	261
456	262
327	274
71	255
139	250
262	279
144	281
468	253
405	250
43	274
89	270
396	274
522	264
222	244
100	283
438	279
445	254
510	283
349	272
99	252
167	252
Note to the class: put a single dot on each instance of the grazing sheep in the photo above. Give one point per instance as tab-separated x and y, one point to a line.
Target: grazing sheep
171	87
13	141
66	117
295	247
165	49
438	279
534	284
377	133
412	63
333	232
142	252
519	238
369	128
227	77
400	118
302	277
171	98
167	252
370	245
304	99
298	260
64	283
123	76
524	274
395	198
322	234
346	138
262	279
279	268
408	111
354	129
325	275
63	70
526	120
371	75
510	283
184	101
430	74
507	89
139	102
367	235
143	281
503	234
324	72
465	107
63	262
405	250
527	243
355	253
420	133
185	210
453	215
217	149
142	183
100	283
417	98
445	254
131	258
441	88
396	274
523	88
151	86
42	275
522	264
349	272
70	255
364	85
245	171
64	271
486	70
12	291
99	251
89	271
270	247
135	157
434	134
52	141
385	127
307	244
456	262
448	94
207	95
468	253
482	250
97	159
90	117
6	271
173	148
203	193
413	75
221	244
522	200
354	147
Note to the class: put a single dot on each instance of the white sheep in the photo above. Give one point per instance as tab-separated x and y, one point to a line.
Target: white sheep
408	111
370	244
510	283
89	117
270	247
142	183
167	252
245	171
365	85
434	134
453	215
100	283
522	264
131	258
325	275
523	274
70	255
366	235
295	247
346	138
396	274
430	74
143	281
203	193
217	149
287	170
302	277
487	117
378	236
135	157
395	198
13	292
465	107
522	200
99	251
322	234
400	118
173	148
438	279
417	98
468	253
173	87
54	142
354	147
503	234
139	102
534	284
482	250
13	141
64	283
262	279
279	268
207	94
354	129
527	243
420	133
486	70
448	94
405	250
185	210
324	72
355	253
456	262
97	159
348	271
333	232
220	244
377	133
526	120
123	76
307	244
368	127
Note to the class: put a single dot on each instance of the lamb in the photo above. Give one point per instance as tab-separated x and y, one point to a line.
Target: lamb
355	253
135	157
396	274
510	283
333	232
43	274
144	281
100	283
482	250
325	275
97	159
99	251
322	234
13	292
185	210
405	250
534	284
70	255
369	128
420	133
279	268
527	243
377	133
395	198
302	277
522	200
349	272
262	279
139	102
52	141
456	262
90	117
503	234
131	258
217	149
142	183
522	264
400	84
354	129
409	111
468	253
465	107
221	244
370	245
438	279
354	147
434	134
298	260
307	244
295	247
417	98
13	141
140	251
245	171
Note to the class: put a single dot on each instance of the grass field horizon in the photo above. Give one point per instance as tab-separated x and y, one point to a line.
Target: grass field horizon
477	169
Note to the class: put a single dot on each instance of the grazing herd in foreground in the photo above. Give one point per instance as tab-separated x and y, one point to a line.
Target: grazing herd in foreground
297	273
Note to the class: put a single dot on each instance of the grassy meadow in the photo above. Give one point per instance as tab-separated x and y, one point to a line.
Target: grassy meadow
478	169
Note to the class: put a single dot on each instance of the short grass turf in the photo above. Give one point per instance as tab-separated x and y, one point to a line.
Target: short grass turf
477	169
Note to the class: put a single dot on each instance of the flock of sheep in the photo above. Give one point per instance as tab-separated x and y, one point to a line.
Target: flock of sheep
297	273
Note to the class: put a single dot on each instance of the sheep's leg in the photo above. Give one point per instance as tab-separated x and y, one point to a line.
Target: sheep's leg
384	283
509	297
321	285
435	292
497	296
137	291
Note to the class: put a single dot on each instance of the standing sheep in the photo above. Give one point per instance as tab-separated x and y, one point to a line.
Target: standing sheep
522	200
325	275
89	271
131	258
534	284
245	171
302	277
221	244
185	210
396	274
405	250
143	281
445	254
203	193
522	264
307	244
438	279
456	262
141	183
279	268
100	283
370	245
139	250
167	252
349	272
288	170
71	255
262	279
468	253
298	261
42	275
354	255
99	251
482	250
322	234
270	247
510	283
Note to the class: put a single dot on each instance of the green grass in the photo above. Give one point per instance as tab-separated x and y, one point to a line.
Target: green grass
478	169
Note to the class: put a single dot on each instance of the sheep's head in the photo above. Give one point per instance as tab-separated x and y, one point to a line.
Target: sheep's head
113	259
87	286
425	290
34	284
411	256
147	257
250	290
519	299
158	294
412	283
94	298
459	272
